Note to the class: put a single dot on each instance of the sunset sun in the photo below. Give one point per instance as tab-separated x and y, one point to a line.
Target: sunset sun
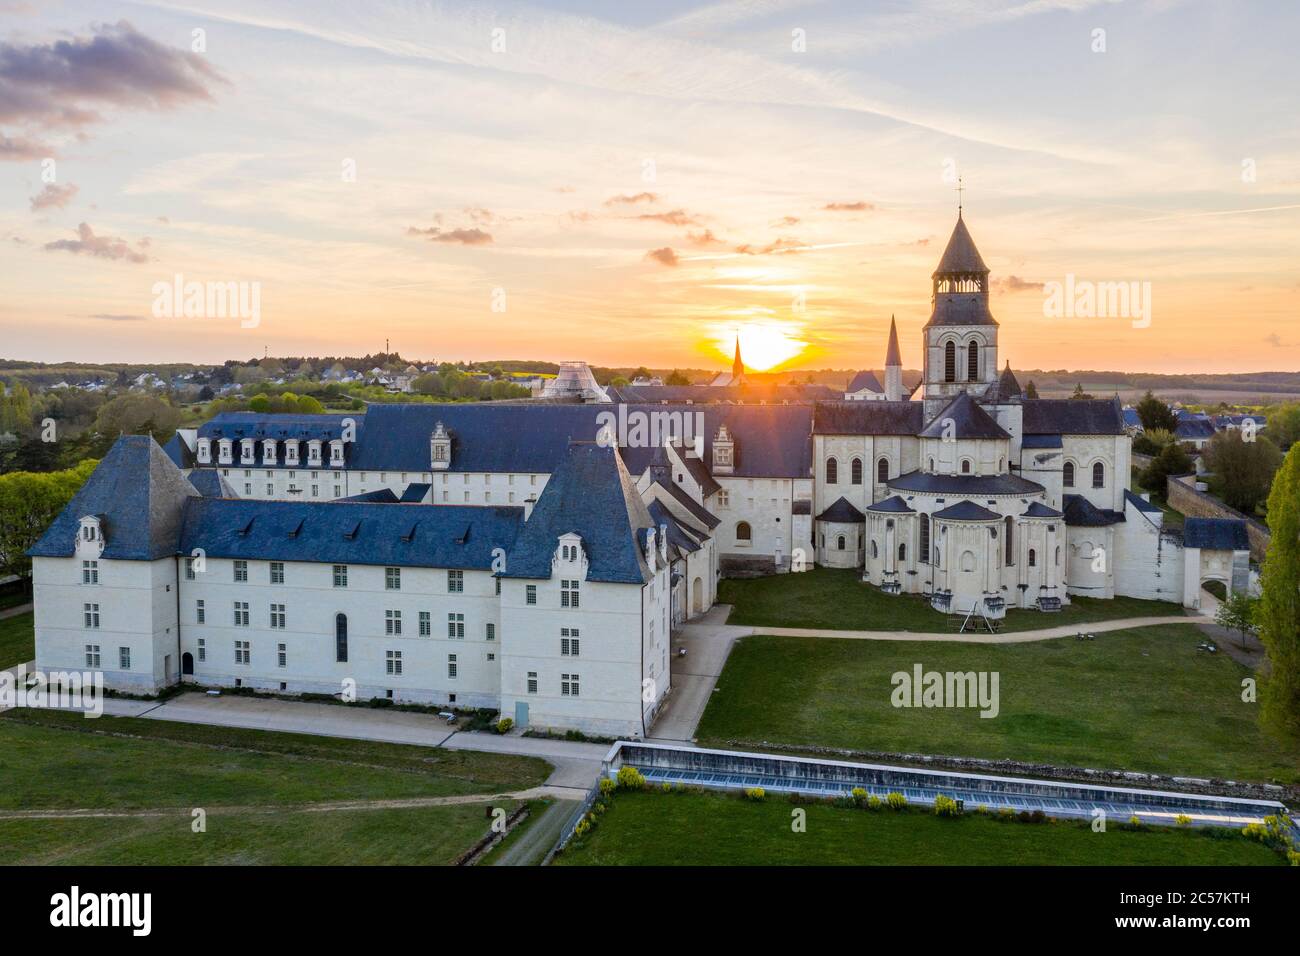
763	345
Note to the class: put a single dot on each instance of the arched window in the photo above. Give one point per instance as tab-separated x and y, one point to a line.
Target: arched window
931	468
965	466
902	553
1058	554
874	551
742	531
973	362
1099	475
882	471
840	543
832	471
341	638
950	362
1011	548
856	471
1033	558
1067	474
968	561
924	546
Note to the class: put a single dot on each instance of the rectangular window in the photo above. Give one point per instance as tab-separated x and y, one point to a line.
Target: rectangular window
491	657
392	622
426	626
569	642
200	613
90	615
491	632
277	572
248	489
568	685
203	649
189	569
124	658
282	654
92	656
532	682
451	666
392	579
241	570
338	491
530	594
340	575
456	626
243	652
394	662
455	582
277	616
497	582
270	489
568	593
89	572
241	614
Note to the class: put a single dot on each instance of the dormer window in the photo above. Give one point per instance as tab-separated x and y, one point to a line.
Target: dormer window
90	539
724	451
268	451
291	452
336	452
440	448
247	451
205	451
313	452
225	449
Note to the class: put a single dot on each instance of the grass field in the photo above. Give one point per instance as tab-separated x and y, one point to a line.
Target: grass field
17	640
837	599
1143	699
651	829
252	784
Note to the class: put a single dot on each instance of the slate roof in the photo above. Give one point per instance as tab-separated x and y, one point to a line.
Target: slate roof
1139	503
967	419
179	452
1190	429
960	255
865	380
750	392
892	354
1041	441
240	425
693	507
678	536
1037	509
868	418
591	494
892	505
976	486
967	511
1073	416
1216	534
415	492
385	496
1082	513
210	483
842	512
138	493
1131	418
350	532
700	472
1005	389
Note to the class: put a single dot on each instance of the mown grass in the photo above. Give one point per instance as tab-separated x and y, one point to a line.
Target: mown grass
17	639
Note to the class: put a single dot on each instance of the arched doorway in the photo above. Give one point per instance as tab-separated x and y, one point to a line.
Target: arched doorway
697	596
341	638
187	664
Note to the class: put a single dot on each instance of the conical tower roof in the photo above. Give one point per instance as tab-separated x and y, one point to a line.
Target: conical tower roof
960	256
892	354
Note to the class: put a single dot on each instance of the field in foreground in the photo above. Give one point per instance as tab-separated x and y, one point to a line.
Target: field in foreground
17	639
654	829
836	599
253	785
1143	699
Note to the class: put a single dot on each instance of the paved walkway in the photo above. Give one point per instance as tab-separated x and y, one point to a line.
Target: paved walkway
16	610
1012	637
707	641
539	835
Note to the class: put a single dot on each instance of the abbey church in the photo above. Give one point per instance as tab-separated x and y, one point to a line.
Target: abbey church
525	557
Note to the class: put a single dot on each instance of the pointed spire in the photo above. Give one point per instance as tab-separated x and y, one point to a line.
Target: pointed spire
960	256
737	366
892	354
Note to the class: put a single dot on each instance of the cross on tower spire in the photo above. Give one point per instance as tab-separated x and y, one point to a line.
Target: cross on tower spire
960	189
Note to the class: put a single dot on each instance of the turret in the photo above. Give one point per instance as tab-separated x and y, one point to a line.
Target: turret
893	366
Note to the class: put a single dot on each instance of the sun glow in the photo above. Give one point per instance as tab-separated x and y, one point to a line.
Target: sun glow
763	345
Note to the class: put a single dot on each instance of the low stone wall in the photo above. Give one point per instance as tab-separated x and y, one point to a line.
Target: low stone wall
1182	496
1140	460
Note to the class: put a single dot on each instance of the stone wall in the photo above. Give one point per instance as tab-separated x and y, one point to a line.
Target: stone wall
1183	496
1140	461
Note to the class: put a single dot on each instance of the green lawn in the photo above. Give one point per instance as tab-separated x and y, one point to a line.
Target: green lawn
837	599
17	640
652	829
251	783
1143	699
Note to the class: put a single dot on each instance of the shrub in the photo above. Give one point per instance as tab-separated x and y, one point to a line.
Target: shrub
504	725
607	786
667	787
896	800
859	796
874	802
1183	820
946	807
630	778
1006	813
755	793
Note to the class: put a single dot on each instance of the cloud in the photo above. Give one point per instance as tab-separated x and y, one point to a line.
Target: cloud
1012	284
1275	340
856	206
664	256
101	247
61	86
674	217
631	200
53	196
465	237
704	238
786	221
782	245
116	317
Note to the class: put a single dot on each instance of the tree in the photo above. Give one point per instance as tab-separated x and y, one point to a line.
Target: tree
1079	393
1279	607
1154	413
29	502
136	414
1237	613
676	378
1172	460
1284	426
1243	470
206	394
1031	390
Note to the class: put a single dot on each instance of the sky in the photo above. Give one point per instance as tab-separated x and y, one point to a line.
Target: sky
638	183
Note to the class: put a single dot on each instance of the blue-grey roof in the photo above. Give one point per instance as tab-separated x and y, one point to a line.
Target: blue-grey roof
678	536
179	452
1216	534
1005	389
414	492
138	493
350	532
842	512
960	255
978	486
750	392
1073	416
240	425
963	418
591	494
1041	441
1131	418
868	418
210	483
1194	428
865	380
892	505
383	496
1037	509
967	511
1082	513
1138	502
693	507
